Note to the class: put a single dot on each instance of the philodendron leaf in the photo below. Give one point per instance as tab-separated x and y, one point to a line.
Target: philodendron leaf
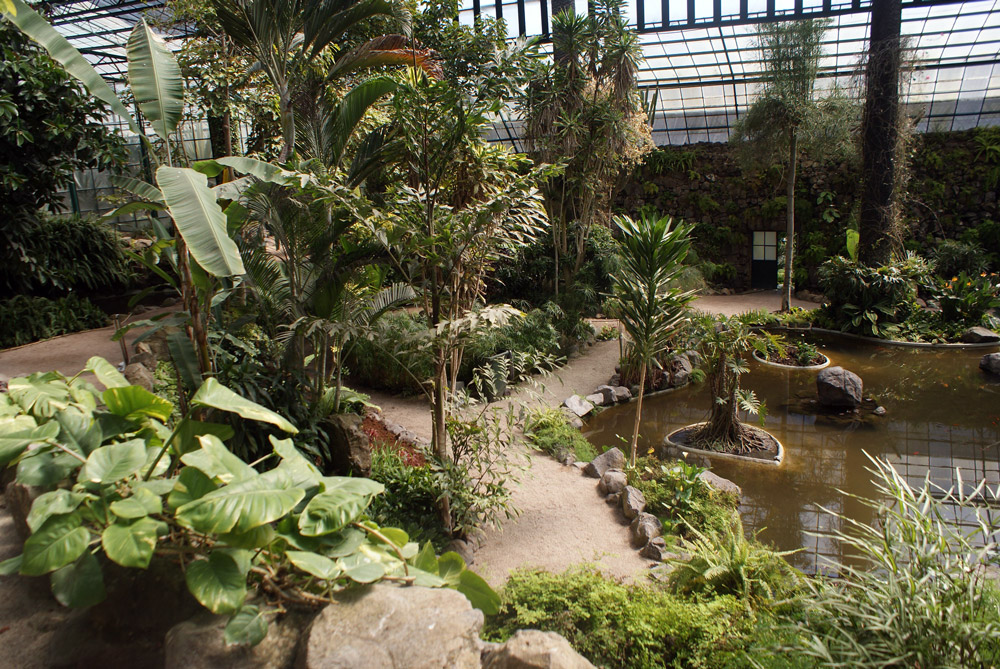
331	510
315	564
20	435
105	372
55	503
426	560
217	583
143	502
11	566
479	592
247	627
131	545
114	462
135	402
215	395
240	507
217	462
192	484
80	584
450	567
56	544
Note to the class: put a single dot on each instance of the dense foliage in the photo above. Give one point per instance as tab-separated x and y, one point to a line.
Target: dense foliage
28	319
549	431
680	499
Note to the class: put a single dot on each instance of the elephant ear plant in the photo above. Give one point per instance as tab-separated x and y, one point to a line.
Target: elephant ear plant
129	484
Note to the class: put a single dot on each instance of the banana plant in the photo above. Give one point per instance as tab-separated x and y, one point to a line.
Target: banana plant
127	482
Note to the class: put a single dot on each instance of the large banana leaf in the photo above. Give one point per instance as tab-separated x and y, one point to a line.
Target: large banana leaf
32	24
138	188
199	220
262	170
156	80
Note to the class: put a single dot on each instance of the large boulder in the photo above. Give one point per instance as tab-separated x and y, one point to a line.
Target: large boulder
613	482
645	528
633	502
718	483
138	374
199	643
609	394
532	649
578	405
612	458
980	335
597	399
990	363
839	388
350	449
388	627
680	370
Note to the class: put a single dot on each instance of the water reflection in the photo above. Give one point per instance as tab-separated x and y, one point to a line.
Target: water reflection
942	413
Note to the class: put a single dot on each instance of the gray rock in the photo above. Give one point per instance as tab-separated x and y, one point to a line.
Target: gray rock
645	527
350	449
148	360
578	405
613	500
990	363
609	459
138	374
613	482
879	411
694	356
722	485
980	335
609	394
580	464
655	549
568	459
387	627
198	643
838	387
597	399
574	421
19	498
532	649
680	370
633	502
463	548
622	394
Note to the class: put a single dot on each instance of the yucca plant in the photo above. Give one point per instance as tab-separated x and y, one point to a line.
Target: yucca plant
650	308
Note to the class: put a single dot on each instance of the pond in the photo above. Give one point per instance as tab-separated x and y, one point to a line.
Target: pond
942	413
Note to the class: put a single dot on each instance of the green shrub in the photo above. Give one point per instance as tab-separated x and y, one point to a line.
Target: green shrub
681	500
615	625
27	319
393	359
965	299
914	592
953	257
62	253
410	499
549	430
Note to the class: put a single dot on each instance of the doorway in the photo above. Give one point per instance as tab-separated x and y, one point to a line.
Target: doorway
764	263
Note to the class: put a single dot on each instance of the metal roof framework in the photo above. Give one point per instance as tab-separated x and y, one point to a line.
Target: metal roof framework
701	68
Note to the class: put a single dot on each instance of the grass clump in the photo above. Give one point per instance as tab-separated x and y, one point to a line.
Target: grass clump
680	499
549	430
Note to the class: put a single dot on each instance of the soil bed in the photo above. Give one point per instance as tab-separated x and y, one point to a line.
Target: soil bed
763	447
790	359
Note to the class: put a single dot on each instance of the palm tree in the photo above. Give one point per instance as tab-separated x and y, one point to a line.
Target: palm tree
650	309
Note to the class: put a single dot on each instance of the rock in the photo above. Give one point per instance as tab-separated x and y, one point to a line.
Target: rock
838	387
19	498
990	363
645	527
138	374
655	549
609	394
574	421
613	500
580	464
578	405
568	459
198	643
350	450
609	459
613	482
532	649
463	548
147	360
172	301
694	356
680	370
633	502
597	399
615	380
722	485
384	626
879	411
622	394
980	335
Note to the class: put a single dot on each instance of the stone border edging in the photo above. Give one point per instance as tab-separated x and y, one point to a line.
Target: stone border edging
775	462
822	365
888	342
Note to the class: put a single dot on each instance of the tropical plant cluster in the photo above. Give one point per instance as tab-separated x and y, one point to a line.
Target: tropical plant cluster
27	319
682	501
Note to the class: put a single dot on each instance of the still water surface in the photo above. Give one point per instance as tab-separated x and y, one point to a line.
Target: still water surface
942	413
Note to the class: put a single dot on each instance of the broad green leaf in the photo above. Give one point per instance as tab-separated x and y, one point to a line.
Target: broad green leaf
142	503
215	395
32	24
356	486
315	564
216	461
185	359
479	592
344	542
361	568
247	627
46	469
192	484
304	473
42	395
8	6
80	584
78	430
11	566
258	537
188	431
240	507
105	372
131	545
395	535
135	402
158	487
114	462
217	583
199	220
57	543
146	191
330	511
257	168
426	579
13	443
155	79
131	208
55	503
450	567
426	560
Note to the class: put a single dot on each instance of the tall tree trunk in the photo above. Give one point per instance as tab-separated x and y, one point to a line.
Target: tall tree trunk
880	137
786	293
638	414
287	118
